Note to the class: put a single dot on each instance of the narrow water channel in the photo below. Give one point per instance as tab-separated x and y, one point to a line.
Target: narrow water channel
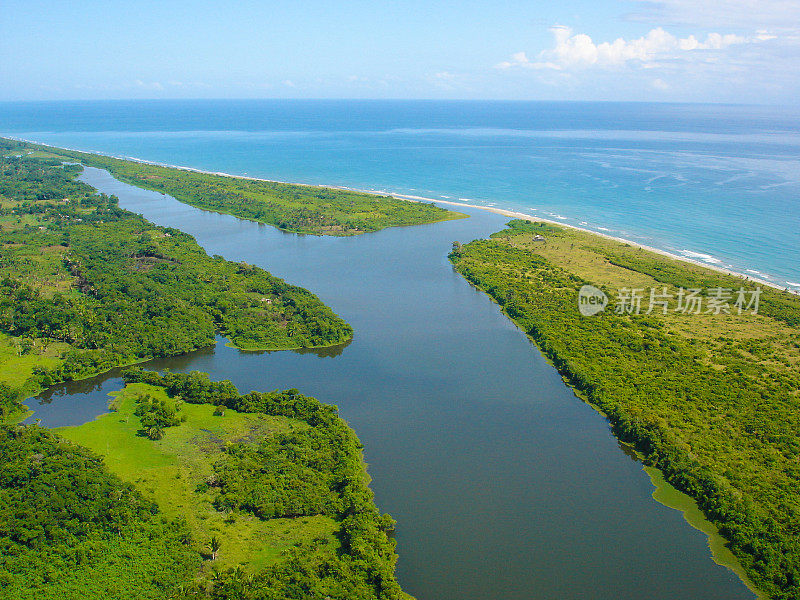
504	484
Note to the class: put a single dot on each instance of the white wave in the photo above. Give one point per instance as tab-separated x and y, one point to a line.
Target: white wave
701	256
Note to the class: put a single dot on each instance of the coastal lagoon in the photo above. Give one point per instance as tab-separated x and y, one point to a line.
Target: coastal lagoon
505	485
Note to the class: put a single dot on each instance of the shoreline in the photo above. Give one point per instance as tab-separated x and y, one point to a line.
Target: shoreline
664	253
410	198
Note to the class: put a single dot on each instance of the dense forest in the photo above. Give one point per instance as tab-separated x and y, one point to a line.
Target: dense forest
85	286
713	400
69	529
291	207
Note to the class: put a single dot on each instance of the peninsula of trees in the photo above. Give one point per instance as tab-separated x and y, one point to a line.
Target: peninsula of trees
710	397
290	207
188	489
86	286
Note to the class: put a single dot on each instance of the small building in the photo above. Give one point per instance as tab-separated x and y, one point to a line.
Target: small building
538	238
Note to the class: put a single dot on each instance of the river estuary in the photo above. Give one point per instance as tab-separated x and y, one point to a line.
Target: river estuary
504	484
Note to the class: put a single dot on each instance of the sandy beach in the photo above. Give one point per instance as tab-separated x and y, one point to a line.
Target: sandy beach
520	215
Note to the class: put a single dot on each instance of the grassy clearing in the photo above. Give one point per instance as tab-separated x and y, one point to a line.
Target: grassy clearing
169	470
587	256
16	369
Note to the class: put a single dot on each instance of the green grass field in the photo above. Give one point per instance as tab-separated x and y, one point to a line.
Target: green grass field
16	369
169	470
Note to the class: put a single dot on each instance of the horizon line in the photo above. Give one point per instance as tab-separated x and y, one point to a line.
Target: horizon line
343	99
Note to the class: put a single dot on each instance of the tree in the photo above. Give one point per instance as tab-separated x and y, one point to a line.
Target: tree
215	545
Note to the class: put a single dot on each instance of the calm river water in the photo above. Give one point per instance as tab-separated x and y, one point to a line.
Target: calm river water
504	484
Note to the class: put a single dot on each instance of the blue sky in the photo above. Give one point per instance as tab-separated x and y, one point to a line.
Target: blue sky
673	50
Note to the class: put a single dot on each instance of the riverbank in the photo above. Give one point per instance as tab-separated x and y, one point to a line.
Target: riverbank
88	286
708	398
669	496
315	210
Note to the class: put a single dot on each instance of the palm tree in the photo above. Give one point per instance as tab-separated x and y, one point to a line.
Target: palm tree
215	546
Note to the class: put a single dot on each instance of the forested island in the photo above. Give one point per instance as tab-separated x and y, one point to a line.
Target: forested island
711	398
291	207
86	286
189	489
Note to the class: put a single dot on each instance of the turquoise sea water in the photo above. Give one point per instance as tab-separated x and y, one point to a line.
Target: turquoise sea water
715	183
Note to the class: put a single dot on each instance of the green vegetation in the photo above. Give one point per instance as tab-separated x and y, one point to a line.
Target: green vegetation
86	286
271	485
69	529
713	401
291	207
156	415
175	472
667	495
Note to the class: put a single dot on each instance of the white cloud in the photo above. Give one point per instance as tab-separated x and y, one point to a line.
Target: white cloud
153	85
659	84
756	65
579	51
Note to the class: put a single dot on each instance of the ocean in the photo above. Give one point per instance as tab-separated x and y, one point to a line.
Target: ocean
715	183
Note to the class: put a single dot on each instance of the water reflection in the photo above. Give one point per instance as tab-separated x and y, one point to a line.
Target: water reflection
325	352
75	402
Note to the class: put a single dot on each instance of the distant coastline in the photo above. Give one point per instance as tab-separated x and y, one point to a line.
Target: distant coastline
412	198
